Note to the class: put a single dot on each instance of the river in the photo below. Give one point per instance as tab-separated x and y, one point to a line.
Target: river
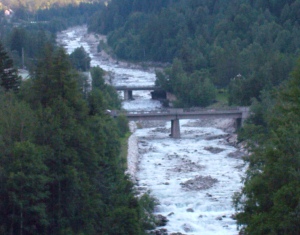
193	177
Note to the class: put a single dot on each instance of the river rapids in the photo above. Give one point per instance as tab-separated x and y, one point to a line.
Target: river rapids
194	177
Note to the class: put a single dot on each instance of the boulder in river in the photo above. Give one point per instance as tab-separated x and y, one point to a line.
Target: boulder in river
160	220
187	227
190	210
161	231
214	149
199	183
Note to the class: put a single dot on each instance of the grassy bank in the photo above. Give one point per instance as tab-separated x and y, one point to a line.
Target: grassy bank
124	150
221	99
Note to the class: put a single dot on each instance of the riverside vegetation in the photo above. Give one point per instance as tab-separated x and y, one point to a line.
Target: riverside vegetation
60	165
244	45
61	171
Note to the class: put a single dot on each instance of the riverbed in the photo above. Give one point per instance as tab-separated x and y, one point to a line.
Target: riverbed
193	177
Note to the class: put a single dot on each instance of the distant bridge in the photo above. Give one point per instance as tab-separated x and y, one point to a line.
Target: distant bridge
128	90
174	115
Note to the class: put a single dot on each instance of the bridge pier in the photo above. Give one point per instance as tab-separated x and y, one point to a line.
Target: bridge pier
238	123
175	129
245	114
128	95
174	115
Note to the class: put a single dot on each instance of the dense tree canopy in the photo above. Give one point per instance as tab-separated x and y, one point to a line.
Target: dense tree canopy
60	170
269	202
40	4
26	33
258	39
80	59
9	79
194	89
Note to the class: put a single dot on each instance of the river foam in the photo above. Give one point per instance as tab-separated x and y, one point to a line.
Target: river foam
193	177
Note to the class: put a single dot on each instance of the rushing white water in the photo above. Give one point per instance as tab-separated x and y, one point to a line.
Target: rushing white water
193	177
121	73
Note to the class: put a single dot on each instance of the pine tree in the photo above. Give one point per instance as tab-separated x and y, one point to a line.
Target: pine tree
270	200
23	177
88	191
24	190
9	78
80	59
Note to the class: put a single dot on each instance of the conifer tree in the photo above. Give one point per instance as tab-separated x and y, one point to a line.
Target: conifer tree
269	203
9	78
23	174
80	59
24	191
88	191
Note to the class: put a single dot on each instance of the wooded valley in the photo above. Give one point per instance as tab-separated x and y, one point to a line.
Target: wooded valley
60	170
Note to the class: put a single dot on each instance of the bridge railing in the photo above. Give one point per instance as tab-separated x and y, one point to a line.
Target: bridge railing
145	87
177	111
198	109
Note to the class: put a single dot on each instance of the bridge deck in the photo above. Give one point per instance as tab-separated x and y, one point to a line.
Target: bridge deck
136	88
181	114
174	115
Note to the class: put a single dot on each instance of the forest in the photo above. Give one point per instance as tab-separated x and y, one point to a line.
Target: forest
269	202
61	167
246	46
61	171
60	152
34	5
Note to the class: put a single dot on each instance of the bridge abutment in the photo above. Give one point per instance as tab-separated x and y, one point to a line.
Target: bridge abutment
245	114
238	123
175	129
128	95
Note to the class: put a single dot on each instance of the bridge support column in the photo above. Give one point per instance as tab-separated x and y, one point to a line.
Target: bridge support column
175	129
245	115
238	123
128	95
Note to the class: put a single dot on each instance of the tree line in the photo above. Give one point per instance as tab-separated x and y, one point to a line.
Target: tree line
60	165
41	4
60	168
269	201
26	33
250	48
257	39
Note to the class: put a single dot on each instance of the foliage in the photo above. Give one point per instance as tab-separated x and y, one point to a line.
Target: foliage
117	12
257	39
42	4
147	205
9	78
100	88
58	18
122	124
26	45
80	59
26	32
60	170
25	183
269	200
256	127
194	89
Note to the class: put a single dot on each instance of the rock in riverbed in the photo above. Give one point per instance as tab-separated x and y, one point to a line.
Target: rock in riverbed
199	183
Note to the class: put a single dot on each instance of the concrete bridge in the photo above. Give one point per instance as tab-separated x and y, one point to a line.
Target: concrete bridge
174	115
128	90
